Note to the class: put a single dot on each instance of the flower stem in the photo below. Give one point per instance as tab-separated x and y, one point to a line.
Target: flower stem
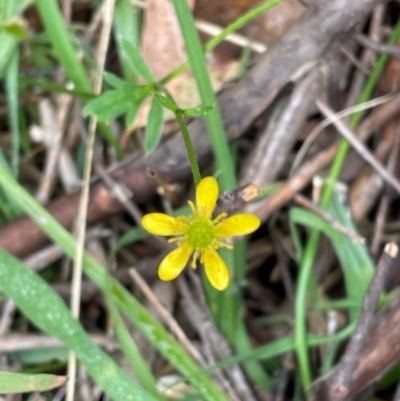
189	147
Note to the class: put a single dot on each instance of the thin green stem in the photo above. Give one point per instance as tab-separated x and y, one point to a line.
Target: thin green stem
243	20
216	40
175	73
189	147
229	303
300	335
213	120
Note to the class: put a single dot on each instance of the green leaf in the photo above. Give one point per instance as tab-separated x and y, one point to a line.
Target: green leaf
58	33
278	347
11	382
11	84
126	27
154	126
116	82
111	139
356	263
136	234
197	111
40	356
166	102
8	46
128	304
136	62
130	349
16	27
44	307
132	112
116	102
109	105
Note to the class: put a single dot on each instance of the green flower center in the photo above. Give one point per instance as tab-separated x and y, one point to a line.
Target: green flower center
200	234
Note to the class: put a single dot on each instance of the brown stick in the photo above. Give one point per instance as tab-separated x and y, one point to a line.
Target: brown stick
342	381
22	237
379	343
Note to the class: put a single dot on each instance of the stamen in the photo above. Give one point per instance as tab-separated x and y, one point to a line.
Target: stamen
194	259
221	244
194	211
219	218
200	233
175	239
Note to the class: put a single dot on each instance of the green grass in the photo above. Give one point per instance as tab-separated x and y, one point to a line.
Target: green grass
123	96
311	248
125	301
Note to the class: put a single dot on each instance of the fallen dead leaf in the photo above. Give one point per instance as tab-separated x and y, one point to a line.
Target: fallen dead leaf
162	42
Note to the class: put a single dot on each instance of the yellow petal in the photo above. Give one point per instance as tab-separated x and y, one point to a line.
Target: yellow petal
162	224
206	196
239	224
216	270
173	264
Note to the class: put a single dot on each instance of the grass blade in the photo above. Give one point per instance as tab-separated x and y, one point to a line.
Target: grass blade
44	307
154	126
136	62
356	264
12	100
130	350
128	304
61	40
11	382
213	119
126	30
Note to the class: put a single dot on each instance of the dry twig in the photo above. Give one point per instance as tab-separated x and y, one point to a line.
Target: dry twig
166	316
384	203
215	344
359	147
371	350
337	225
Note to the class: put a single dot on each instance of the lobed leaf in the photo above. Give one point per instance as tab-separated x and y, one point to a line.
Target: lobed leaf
166	102
154	126
116	102
116	82
136	62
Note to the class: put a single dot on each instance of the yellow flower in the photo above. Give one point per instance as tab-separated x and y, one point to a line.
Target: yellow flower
200	235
